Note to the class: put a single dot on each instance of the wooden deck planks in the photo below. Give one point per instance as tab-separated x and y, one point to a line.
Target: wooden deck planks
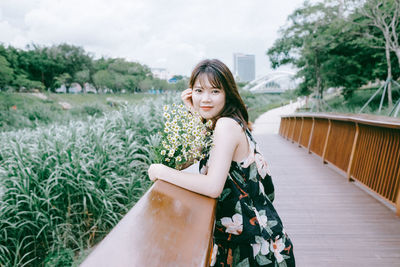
331	222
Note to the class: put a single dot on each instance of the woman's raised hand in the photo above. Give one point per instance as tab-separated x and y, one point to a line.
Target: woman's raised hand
186	97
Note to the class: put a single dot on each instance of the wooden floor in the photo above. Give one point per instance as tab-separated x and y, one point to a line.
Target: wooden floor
331	222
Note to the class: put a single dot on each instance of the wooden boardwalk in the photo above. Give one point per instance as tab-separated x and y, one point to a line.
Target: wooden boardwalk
331	222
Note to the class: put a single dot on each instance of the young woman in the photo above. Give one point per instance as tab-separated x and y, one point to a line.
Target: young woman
248	230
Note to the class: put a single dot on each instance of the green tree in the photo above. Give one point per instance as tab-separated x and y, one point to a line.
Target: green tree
63	79
103	79
6	73
384	16
82	77
305	44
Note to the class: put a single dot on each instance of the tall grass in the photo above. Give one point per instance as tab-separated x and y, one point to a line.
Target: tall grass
63	187
358	100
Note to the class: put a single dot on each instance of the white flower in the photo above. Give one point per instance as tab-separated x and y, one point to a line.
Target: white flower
167	159
233	225
262	166
276	247
163	152
260	245
262	219
261	188
165	108
178	158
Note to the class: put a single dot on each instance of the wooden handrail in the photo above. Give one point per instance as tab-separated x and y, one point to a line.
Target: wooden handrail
168	226
365	147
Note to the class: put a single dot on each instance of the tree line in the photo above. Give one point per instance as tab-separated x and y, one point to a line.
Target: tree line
341	43
49	67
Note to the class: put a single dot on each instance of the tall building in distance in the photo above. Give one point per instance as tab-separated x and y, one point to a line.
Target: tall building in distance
244	67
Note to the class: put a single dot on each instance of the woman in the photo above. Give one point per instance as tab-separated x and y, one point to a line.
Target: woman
248	230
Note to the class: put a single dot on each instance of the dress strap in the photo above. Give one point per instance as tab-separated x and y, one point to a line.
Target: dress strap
247	131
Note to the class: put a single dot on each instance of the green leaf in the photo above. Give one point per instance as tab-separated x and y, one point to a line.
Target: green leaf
282	264
262	260
243	263
225	193
253	172
238	207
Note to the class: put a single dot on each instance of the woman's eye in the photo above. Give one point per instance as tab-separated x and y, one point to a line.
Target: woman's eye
215	91
197	90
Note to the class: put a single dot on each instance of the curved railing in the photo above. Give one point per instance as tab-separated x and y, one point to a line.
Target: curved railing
169	226
365	147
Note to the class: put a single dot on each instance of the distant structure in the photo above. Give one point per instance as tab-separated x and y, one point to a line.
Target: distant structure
244	67
275	82
160	73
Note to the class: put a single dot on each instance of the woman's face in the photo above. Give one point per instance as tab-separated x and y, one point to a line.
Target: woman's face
208	101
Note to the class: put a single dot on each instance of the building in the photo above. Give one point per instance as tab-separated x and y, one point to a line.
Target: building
160	73
244	67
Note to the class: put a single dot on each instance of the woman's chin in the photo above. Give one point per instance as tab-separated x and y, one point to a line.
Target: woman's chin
206	116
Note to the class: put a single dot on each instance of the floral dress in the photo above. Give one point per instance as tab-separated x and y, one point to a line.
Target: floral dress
248	230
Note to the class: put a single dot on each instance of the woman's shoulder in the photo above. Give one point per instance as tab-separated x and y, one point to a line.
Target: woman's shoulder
228	123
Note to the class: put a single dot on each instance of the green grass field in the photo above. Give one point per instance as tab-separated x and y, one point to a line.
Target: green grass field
18	111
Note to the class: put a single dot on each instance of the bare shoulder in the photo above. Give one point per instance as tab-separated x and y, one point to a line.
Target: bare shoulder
227	125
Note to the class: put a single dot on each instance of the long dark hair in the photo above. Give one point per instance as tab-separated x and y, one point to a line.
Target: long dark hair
219	76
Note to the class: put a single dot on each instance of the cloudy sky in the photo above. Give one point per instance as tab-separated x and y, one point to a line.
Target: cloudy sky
172	34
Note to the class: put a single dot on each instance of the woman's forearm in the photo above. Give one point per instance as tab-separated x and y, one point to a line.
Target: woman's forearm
199	183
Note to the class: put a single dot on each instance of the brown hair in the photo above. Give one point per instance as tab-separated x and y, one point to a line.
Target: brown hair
219	76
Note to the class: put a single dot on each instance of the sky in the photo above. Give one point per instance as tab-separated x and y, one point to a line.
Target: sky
171	34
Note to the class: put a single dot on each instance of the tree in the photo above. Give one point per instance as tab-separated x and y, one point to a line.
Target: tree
82	77
383	15
21	80
64	79
6	73
305	44
103	79
146	84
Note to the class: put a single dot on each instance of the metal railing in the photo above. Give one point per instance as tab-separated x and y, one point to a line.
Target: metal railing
365	147
169	226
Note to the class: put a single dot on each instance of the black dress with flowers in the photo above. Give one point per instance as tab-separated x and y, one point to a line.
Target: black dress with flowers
248	230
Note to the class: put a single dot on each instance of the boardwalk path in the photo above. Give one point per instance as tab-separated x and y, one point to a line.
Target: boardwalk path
332	222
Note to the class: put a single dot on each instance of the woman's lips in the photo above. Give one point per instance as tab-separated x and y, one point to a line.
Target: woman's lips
206	108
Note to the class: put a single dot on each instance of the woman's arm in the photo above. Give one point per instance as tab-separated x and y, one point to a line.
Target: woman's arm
226	138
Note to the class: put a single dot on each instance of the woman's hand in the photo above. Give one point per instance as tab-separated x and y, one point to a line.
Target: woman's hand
186	97
154	171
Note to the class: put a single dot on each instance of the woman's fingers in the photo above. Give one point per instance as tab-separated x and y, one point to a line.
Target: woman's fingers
186	97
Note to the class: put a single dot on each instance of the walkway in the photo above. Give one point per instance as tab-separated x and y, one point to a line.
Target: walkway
331	222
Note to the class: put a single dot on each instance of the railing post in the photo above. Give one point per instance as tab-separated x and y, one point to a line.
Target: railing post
326	141
311	136
301	131
353	151
294	128
398	199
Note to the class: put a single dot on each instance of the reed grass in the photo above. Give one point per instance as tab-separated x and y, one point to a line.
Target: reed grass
63	187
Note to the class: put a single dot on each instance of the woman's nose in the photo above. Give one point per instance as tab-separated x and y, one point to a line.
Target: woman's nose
206	97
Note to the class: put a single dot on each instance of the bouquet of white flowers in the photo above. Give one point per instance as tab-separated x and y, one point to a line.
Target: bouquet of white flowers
184	137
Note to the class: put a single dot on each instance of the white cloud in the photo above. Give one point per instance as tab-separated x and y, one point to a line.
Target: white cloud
174	34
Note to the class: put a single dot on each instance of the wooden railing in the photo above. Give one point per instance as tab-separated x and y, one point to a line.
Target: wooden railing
365	147
169	226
